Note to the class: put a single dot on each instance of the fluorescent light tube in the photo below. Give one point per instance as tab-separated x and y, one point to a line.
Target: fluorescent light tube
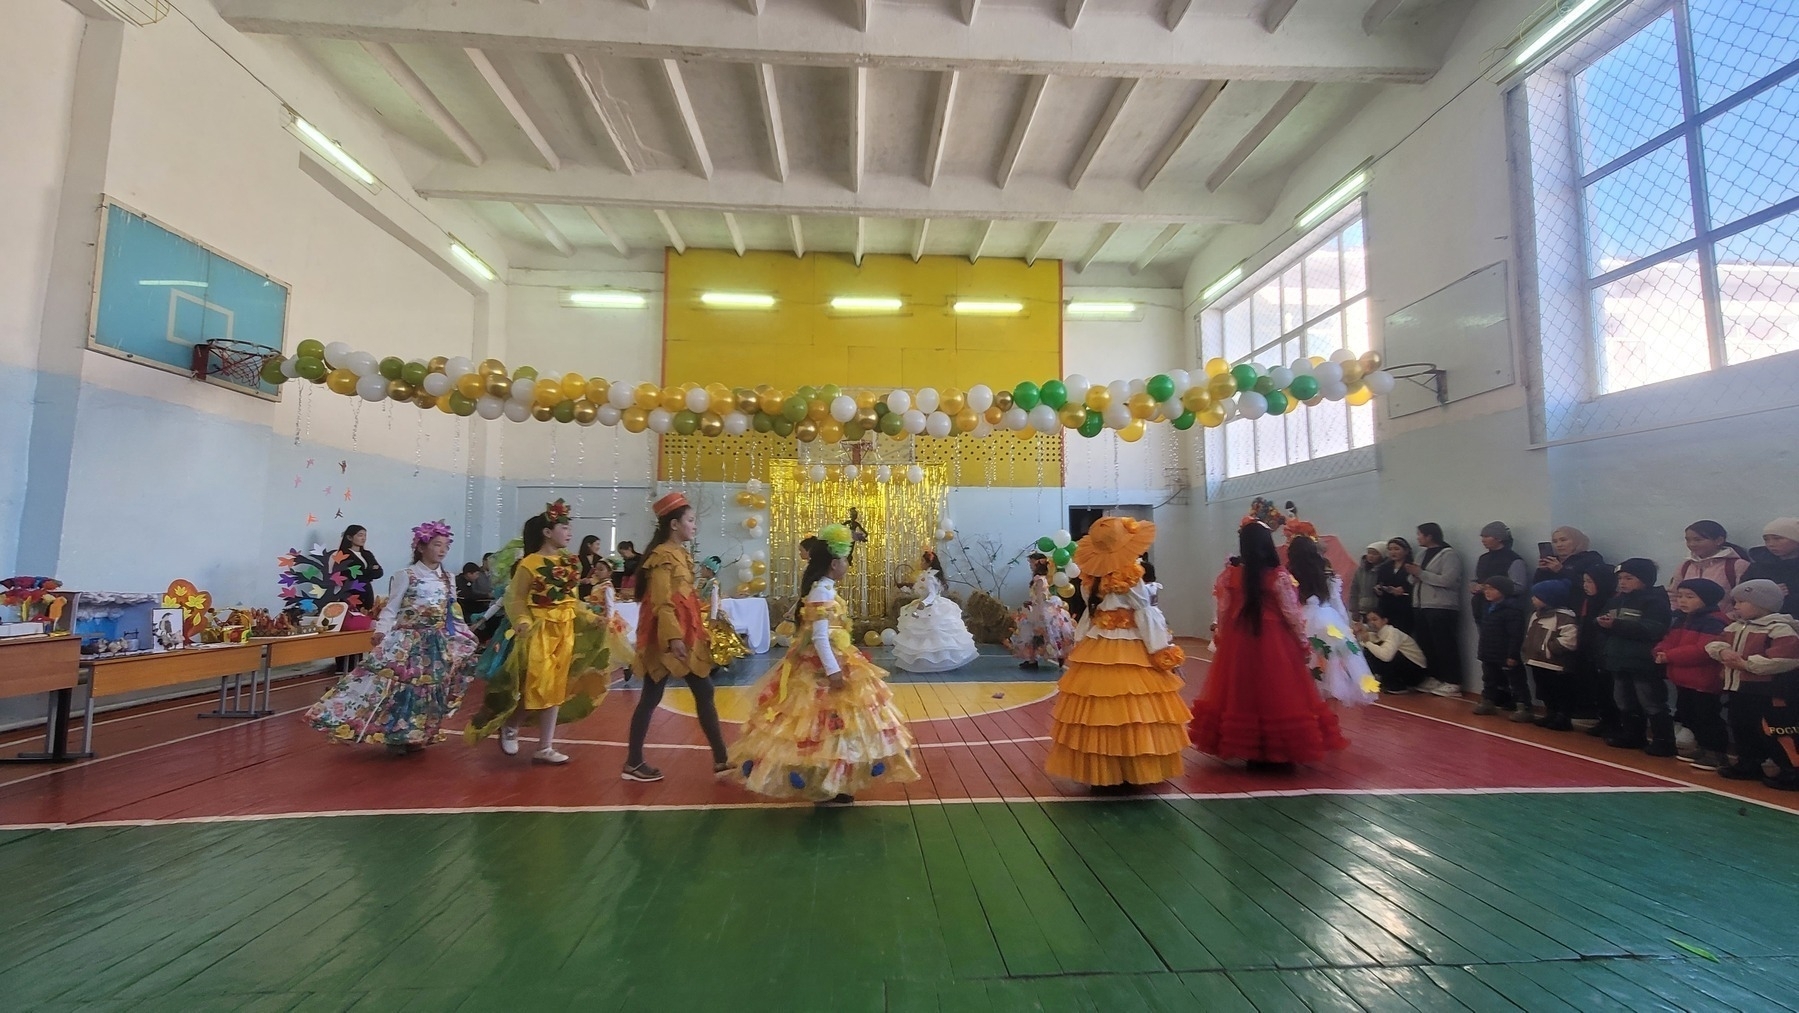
469	260
1562	24
1338	196
870	304
982	307
1222	285
608	299
173	282
1101	309
332	150
737	300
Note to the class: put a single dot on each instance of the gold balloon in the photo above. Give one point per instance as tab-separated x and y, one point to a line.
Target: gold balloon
1315	360
543	413
572	383
744	499
967	419
444	405
1371	361
1072	415
1213	416
743	590
1217	367
646	396
491	366
1024	434
748	402
424	400
868	419
752	522
819	410
1221	386
770	402
830	430
1352	371
1196	399
761	503
400	390
758	567
711	425
436	365
953	401
721	396
1133	432
341	381
1359	395
806	431
1142	406
758	585
872	638
586	412
634	419
1099	397
499	385
674	399
598	390
471	385
994	415
1002	400
866	401
546	393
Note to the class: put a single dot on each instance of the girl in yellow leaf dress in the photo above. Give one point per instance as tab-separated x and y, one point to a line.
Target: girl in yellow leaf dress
824	725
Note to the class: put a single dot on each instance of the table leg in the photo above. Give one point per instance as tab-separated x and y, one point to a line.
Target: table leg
56	733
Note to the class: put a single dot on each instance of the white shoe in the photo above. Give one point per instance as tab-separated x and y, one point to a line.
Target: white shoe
548	754
509	741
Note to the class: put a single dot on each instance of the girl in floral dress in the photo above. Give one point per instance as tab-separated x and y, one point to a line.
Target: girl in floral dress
824	725
1337	660
401	693
604	601
1045	630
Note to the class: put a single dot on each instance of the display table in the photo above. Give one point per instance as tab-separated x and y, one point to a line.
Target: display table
300	650
49	665
112	676
749	616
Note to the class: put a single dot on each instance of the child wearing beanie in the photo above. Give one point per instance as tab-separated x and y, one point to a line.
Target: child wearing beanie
1633	622
1777	560
1504	683
1698	681
1760	655
1551	647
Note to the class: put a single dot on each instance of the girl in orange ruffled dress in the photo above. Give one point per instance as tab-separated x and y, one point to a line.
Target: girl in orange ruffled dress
1118	718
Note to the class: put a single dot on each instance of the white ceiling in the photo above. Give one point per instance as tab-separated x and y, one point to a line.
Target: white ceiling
1120	133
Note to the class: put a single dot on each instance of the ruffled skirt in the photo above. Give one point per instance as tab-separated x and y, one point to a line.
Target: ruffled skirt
804	740
1118	715
401	694
933	638
1260	702
727	644
1046	636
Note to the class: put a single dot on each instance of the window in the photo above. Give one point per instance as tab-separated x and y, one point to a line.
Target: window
1664	202
1310	302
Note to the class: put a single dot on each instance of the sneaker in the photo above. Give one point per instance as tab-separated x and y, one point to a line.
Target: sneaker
1625	740
1708	760
641	772
1557	723
1486	707
1523	716
839	800
1786	780
1430	686
1396	690
509	741
721	767
1661	748
1738	772
1448	690
549	755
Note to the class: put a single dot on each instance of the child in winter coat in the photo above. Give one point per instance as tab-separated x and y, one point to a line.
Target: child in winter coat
1504	683
1551	649
1760	655
1698	681
1633	622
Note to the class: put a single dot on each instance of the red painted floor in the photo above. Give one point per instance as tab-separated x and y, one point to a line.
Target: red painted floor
162	763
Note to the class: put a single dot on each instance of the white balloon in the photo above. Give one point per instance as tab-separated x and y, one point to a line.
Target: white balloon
288	366
883	474
1078	386
1138	386
372	388
1183	381
982	430
1016	418
517	412
698	401
1073	569
736	423
816	473
755	485
490	408
1117	415
914	474
1328	373
523	391
1062	579
928	399
1282	376
843	408
759	555
621	396
1061	538
948	525
851	473
1044	420
458	366
437	384
1336	390
661	420
608	415
1302	366
913	421
889	637
1252	405
1342	355
899	401
744	570
939	425
362	364
1380	382
337	353
1119	390
980	397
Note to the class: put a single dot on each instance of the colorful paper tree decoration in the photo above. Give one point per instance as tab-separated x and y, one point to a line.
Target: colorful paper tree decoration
195	606
304	581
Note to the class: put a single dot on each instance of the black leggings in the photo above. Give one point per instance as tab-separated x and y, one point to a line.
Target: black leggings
703	707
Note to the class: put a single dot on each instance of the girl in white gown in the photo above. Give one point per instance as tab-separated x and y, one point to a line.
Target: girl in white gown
932	635
1337	659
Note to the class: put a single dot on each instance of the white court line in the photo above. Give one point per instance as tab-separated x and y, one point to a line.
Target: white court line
1690	785
453	732
889	803
193	700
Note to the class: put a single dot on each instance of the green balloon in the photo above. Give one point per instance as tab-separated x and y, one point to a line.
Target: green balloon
311	348
1185	420
414	373
1062	555
310	367
1054	394
461	405
891	424
525	373
1160	387
1278	403
1093	424
392	367
1264	385
272	374
686	423
1244	374
881	409
1046	544
783	426
1027	395
853	431
1303	387
794	408
806	393
829	391
763	422
564	411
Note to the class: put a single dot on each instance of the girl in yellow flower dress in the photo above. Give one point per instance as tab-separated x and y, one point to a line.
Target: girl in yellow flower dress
604	602
726	645
1118	719
824	725
550	657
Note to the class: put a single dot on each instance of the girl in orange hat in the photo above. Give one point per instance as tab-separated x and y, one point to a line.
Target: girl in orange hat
672	640
1118	714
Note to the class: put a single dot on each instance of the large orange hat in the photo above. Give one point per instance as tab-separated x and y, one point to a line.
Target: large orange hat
1112	544
674	502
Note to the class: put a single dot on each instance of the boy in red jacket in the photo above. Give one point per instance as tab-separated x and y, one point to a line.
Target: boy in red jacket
1697	678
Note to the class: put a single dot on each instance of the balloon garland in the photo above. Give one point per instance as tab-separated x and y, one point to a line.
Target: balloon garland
1059	547
831	413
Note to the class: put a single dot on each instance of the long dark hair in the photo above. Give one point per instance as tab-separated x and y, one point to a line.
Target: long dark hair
1404	545
1714	530
1309	569
1039	564
535	526
930	559
589	560
664	526
343	544
1256	555
1433	531
818	563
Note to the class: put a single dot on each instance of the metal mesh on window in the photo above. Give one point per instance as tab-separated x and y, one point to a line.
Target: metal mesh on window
1758	282
1641	79
1749	162
1739	42
1643	208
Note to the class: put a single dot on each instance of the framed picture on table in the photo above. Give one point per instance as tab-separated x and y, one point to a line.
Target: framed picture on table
165	630
332	616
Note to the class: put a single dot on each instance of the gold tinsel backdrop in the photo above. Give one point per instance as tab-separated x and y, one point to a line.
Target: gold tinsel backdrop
900	515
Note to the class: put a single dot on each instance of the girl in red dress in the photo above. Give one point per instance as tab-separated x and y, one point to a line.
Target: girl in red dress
1260	703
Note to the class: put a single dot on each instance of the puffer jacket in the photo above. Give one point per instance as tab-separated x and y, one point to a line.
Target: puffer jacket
1689	666
1639	621
1770	649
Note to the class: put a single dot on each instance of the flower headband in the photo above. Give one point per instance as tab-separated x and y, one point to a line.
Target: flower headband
838	538
556	513
423	534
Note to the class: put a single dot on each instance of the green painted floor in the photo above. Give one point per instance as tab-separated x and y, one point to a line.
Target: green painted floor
1535	901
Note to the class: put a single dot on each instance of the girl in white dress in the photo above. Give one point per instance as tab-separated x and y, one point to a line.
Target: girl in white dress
1337	660
932	635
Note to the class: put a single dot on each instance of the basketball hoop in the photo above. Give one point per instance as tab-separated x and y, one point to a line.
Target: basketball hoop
238	363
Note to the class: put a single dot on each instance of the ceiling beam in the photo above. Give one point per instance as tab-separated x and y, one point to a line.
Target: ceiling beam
1176	13
1257	134
1106	233
797	233
1274	12
736	233
980	245
924	236
1166	153
428	103
1378	13
502	91
690	121
968	9
1213	44
939	139
1021	128
604	224
861	239
771	118
542	223
1120	95
1071	11
859	130
1155	247
1039	241
669	230
607	127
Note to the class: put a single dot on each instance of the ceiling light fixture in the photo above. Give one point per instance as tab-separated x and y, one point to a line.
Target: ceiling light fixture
469	260
173	282
1560	25
867	304
331	150
1094	308
986	307
737	300
1223	284
606	299
1339	195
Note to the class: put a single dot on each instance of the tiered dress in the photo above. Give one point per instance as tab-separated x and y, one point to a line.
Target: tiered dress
550	652
402	692
619	653
1045	630
1337	660
1260	702
727	645
932	635
805	740
1118	713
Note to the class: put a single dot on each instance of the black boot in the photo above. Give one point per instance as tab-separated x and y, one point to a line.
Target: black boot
1661	736
1629	734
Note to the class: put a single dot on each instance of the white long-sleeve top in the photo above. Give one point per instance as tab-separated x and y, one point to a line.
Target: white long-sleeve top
429	586
1150	626
822	592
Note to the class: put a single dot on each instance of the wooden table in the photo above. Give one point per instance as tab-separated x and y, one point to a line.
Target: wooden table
111	676
49	665
299	650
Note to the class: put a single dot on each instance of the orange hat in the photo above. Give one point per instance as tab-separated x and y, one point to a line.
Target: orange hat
1112	544
674	502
